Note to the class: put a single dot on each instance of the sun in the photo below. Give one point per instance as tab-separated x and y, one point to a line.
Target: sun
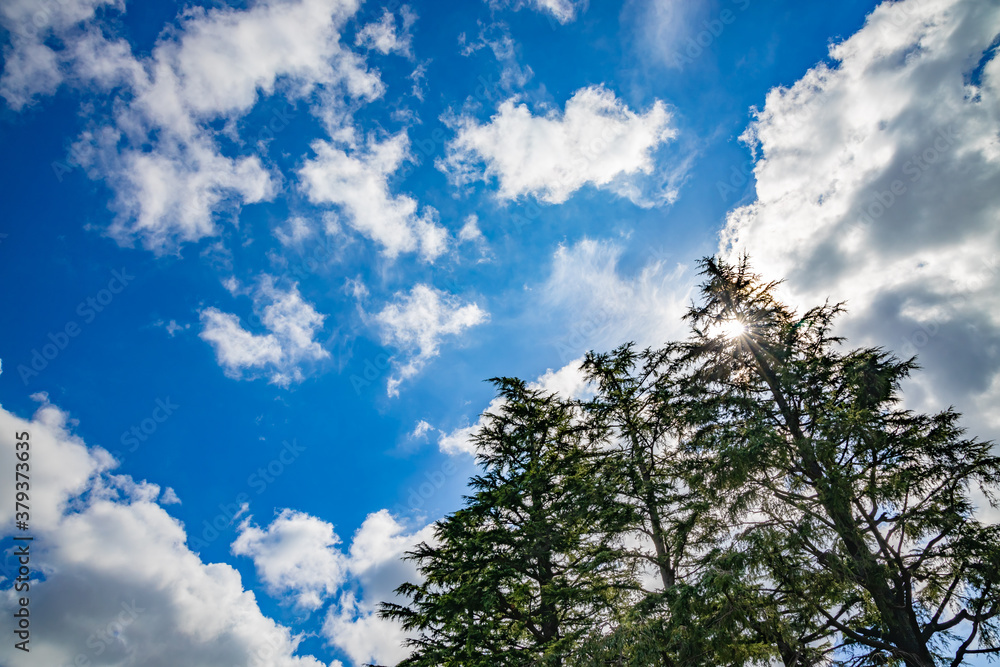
731	329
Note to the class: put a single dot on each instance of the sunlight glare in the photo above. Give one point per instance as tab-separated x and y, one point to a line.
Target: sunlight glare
731	329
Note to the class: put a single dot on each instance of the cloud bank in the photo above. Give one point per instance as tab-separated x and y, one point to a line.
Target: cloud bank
876	184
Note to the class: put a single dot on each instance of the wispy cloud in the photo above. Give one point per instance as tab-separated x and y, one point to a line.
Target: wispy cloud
563	11
385	36
415	324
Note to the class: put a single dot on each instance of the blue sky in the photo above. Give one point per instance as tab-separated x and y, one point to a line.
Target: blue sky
261	256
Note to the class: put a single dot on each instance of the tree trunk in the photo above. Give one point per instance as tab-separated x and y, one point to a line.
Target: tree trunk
667	574
903	629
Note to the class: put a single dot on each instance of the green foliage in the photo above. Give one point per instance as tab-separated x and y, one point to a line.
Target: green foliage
751	494
530	564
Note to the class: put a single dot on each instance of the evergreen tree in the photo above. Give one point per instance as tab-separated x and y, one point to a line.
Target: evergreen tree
784	503
528	566
668	526
853	518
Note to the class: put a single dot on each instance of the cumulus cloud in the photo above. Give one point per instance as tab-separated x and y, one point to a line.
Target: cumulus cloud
597	140
170	195
879	174
296	553
120	584
376	565
568	381
415	324
358	183
284	352
155	126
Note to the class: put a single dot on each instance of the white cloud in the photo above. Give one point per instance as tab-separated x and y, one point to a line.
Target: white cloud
421	429
597	308
879	175
356	629
461	440
470	233
601	307
235	347
563	11
470	230
171	327
384	37
296	553
416	322
170	497
568	382
153	140
32	68
295	232
282	353
376	565
358	183
120	584
225	57
596	141
170	195
497	38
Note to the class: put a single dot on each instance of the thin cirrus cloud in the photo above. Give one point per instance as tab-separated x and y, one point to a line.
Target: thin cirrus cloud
601	306
415	324
605	303
563	11
497	38
597	140
284	353
879	174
